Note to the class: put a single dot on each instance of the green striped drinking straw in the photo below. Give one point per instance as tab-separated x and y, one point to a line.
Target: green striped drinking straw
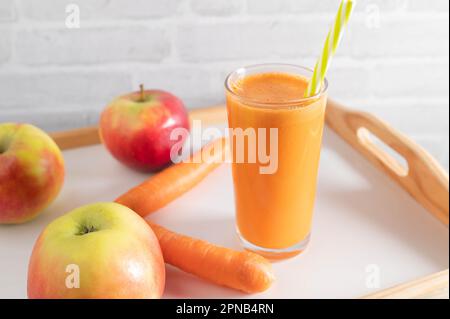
331	44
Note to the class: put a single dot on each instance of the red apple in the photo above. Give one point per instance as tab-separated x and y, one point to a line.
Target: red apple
136	128
31	172
99	251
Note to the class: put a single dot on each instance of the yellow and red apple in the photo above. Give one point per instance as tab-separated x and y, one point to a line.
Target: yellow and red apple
136	128
31	172
99	251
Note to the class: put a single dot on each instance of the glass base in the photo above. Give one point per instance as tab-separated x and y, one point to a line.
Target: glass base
276	254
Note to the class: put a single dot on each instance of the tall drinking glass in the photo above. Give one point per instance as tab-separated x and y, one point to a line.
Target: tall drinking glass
276	139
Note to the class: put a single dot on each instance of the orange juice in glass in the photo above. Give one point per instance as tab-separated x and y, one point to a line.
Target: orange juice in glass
266	106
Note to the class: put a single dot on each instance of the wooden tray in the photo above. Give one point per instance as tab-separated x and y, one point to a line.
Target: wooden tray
397	231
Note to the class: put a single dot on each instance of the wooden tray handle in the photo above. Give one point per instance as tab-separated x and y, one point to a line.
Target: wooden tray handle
424	178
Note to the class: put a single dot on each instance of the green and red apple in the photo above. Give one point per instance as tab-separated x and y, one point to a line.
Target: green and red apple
136	128
31	172
99	251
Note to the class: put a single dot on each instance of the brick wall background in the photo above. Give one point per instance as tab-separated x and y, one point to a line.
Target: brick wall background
393	61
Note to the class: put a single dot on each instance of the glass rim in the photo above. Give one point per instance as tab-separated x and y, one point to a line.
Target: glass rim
294	102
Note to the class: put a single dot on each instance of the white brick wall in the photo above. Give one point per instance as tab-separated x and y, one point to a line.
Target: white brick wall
217	7
393	61
35	90
44	10
7	11
5	44
94	45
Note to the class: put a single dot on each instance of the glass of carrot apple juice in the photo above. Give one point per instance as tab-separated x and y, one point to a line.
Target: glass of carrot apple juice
275	137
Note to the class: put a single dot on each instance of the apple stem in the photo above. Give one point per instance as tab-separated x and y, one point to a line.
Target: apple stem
86	230
141	86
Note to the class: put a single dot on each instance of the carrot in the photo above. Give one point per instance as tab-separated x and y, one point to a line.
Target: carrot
241	270
164	187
